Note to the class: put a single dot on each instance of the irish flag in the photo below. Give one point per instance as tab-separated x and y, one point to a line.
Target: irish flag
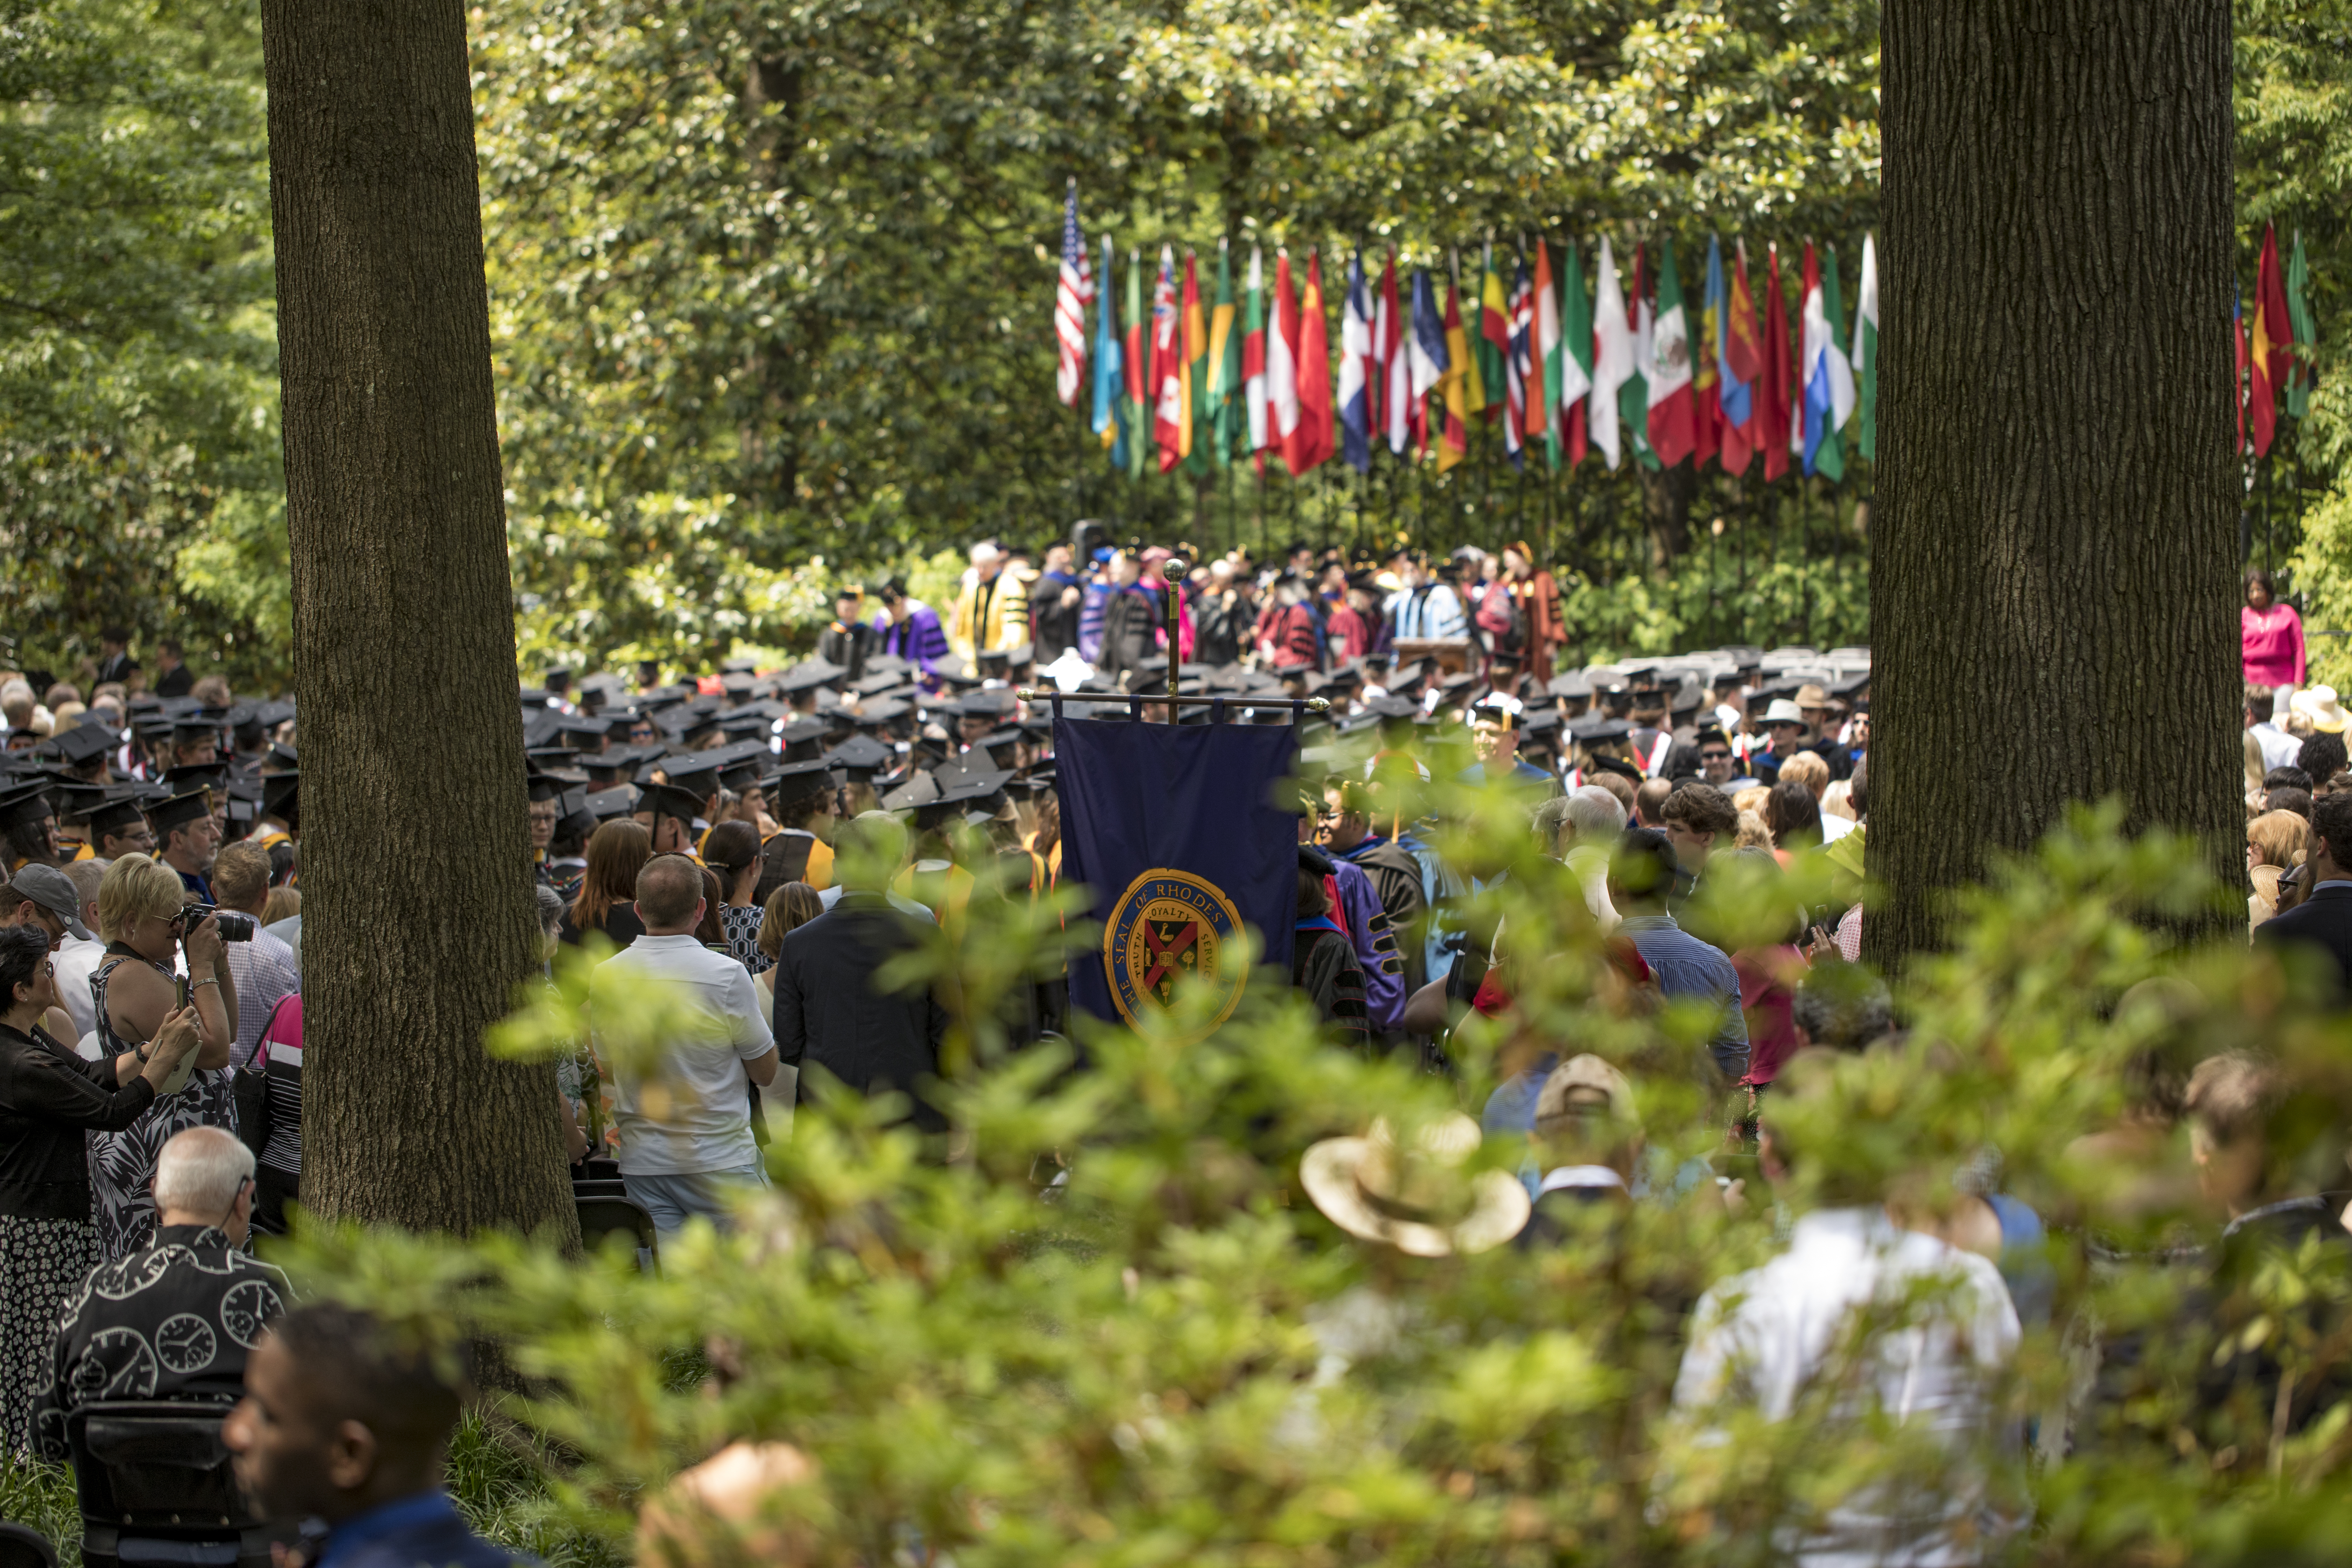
1671	435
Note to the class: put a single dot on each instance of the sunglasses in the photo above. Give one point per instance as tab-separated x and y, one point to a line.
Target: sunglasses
1715	756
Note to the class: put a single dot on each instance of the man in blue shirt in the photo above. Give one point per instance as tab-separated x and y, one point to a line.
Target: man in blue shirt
1494	723
1425	608
1641	876
341	1425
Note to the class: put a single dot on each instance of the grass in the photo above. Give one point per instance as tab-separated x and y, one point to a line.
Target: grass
495	1473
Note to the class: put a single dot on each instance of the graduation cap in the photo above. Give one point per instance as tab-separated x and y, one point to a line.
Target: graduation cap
81	745
742	766
669	800
808	675
1599	731
542	787
1623	769
974	796
805	739
696	773
877	711
540	758
272	714
607	803
188	775
179	811
282	797
584	731
200	722
797	781
954	672
618	722
861	757
919	789
113	816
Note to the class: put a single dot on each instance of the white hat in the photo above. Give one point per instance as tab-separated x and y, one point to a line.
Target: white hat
1414	1196
1783	712
2318	704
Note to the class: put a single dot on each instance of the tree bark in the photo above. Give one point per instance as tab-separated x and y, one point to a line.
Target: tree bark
423	920
2053	585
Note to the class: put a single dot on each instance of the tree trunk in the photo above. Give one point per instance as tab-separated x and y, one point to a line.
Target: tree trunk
416	862
2054	583
1667	498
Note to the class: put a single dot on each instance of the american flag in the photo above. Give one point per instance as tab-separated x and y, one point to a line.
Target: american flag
1076	292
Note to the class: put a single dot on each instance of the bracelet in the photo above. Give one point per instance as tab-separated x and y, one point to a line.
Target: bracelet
143	1052
207	980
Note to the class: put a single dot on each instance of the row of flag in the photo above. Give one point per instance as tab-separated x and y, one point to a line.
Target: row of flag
1573	371
2270	375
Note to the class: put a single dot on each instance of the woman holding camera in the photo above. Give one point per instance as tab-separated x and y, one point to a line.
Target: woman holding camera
140	905
49	1099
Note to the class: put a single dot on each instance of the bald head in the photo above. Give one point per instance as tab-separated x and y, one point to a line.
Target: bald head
669	895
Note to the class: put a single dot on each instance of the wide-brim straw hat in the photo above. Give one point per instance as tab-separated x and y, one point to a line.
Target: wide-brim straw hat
2318	704
1416	1197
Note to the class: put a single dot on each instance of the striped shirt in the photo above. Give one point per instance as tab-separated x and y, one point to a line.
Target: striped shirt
265	970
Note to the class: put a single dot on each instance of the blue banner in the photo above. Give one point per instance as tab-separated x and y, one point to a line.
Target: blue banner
1175	829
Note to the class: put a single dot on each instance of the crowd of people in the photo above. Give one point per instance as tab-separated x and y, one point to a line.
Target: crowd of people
767	840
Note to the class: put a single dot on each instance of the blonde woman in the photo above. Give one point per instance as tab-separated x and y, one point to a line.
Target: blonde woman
790	907
139	901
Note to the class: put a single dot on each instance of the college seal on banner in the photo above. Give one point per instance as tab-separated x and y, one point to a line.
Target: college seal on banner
1167	926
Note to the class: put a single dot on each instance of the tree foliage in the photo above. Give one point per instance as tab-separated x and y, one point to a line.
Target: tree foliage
1171	1354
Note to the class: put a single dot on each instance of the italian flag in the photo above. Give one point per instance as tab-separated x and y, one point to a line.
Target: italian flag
1576	346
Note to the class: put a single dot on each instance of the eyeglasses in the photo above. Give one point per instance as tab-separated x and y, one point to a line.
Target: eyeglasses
1715	756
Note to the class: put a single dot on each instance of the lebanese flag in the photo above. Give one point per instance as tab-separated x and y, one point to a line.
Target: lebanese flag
1742	366
1387	352
1771	431
1282	366
1672	413
2269	360
1254	358
1314	372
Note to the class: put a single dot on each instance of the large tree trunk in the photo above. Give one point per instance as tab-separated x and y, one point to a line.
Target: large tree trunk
2053	590
416	858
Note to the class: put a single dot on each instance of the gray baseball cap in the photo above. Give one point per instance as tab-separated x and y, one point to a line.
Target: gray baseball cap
54	891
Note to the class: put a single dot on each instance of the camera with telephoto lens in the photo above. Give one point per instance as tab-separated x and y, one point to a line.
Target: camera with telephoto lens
233	927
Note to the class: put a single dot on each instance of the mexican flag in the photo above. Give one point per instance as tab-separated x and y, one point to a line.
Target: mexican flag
1672	435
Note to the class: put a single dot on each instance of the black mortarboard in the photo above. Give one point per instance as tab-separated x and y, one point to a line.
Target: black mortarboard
669	800
805	739
998	747
607	803
188	775
861	757
695	771
799	781
967	793
1617	765
808	675
743	765
1598	730
587	729
540	757
282	797
179	811
920	789
542	787
200	720
282	757
81	745
114	816
876	711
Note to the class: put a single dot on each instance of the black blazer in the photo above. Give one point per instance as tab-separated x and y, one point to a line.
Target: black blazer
2323	921
829	1013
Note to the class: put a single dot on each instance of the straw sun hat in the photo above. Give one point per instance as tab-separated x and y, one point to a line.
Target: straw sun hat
2318	704
1415	1196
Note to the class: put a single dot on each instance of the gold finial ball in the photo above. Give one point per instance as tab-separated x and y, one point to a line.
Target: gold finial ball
1173	570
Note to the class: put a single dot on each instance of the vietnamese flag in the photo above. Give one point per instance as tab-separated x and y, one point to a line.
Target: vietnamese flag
1771	431
2270	360
1317	432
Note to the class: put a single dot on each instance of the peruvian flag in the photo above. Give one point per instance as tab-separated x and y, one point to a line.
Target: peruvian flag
1672	416
1282	365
